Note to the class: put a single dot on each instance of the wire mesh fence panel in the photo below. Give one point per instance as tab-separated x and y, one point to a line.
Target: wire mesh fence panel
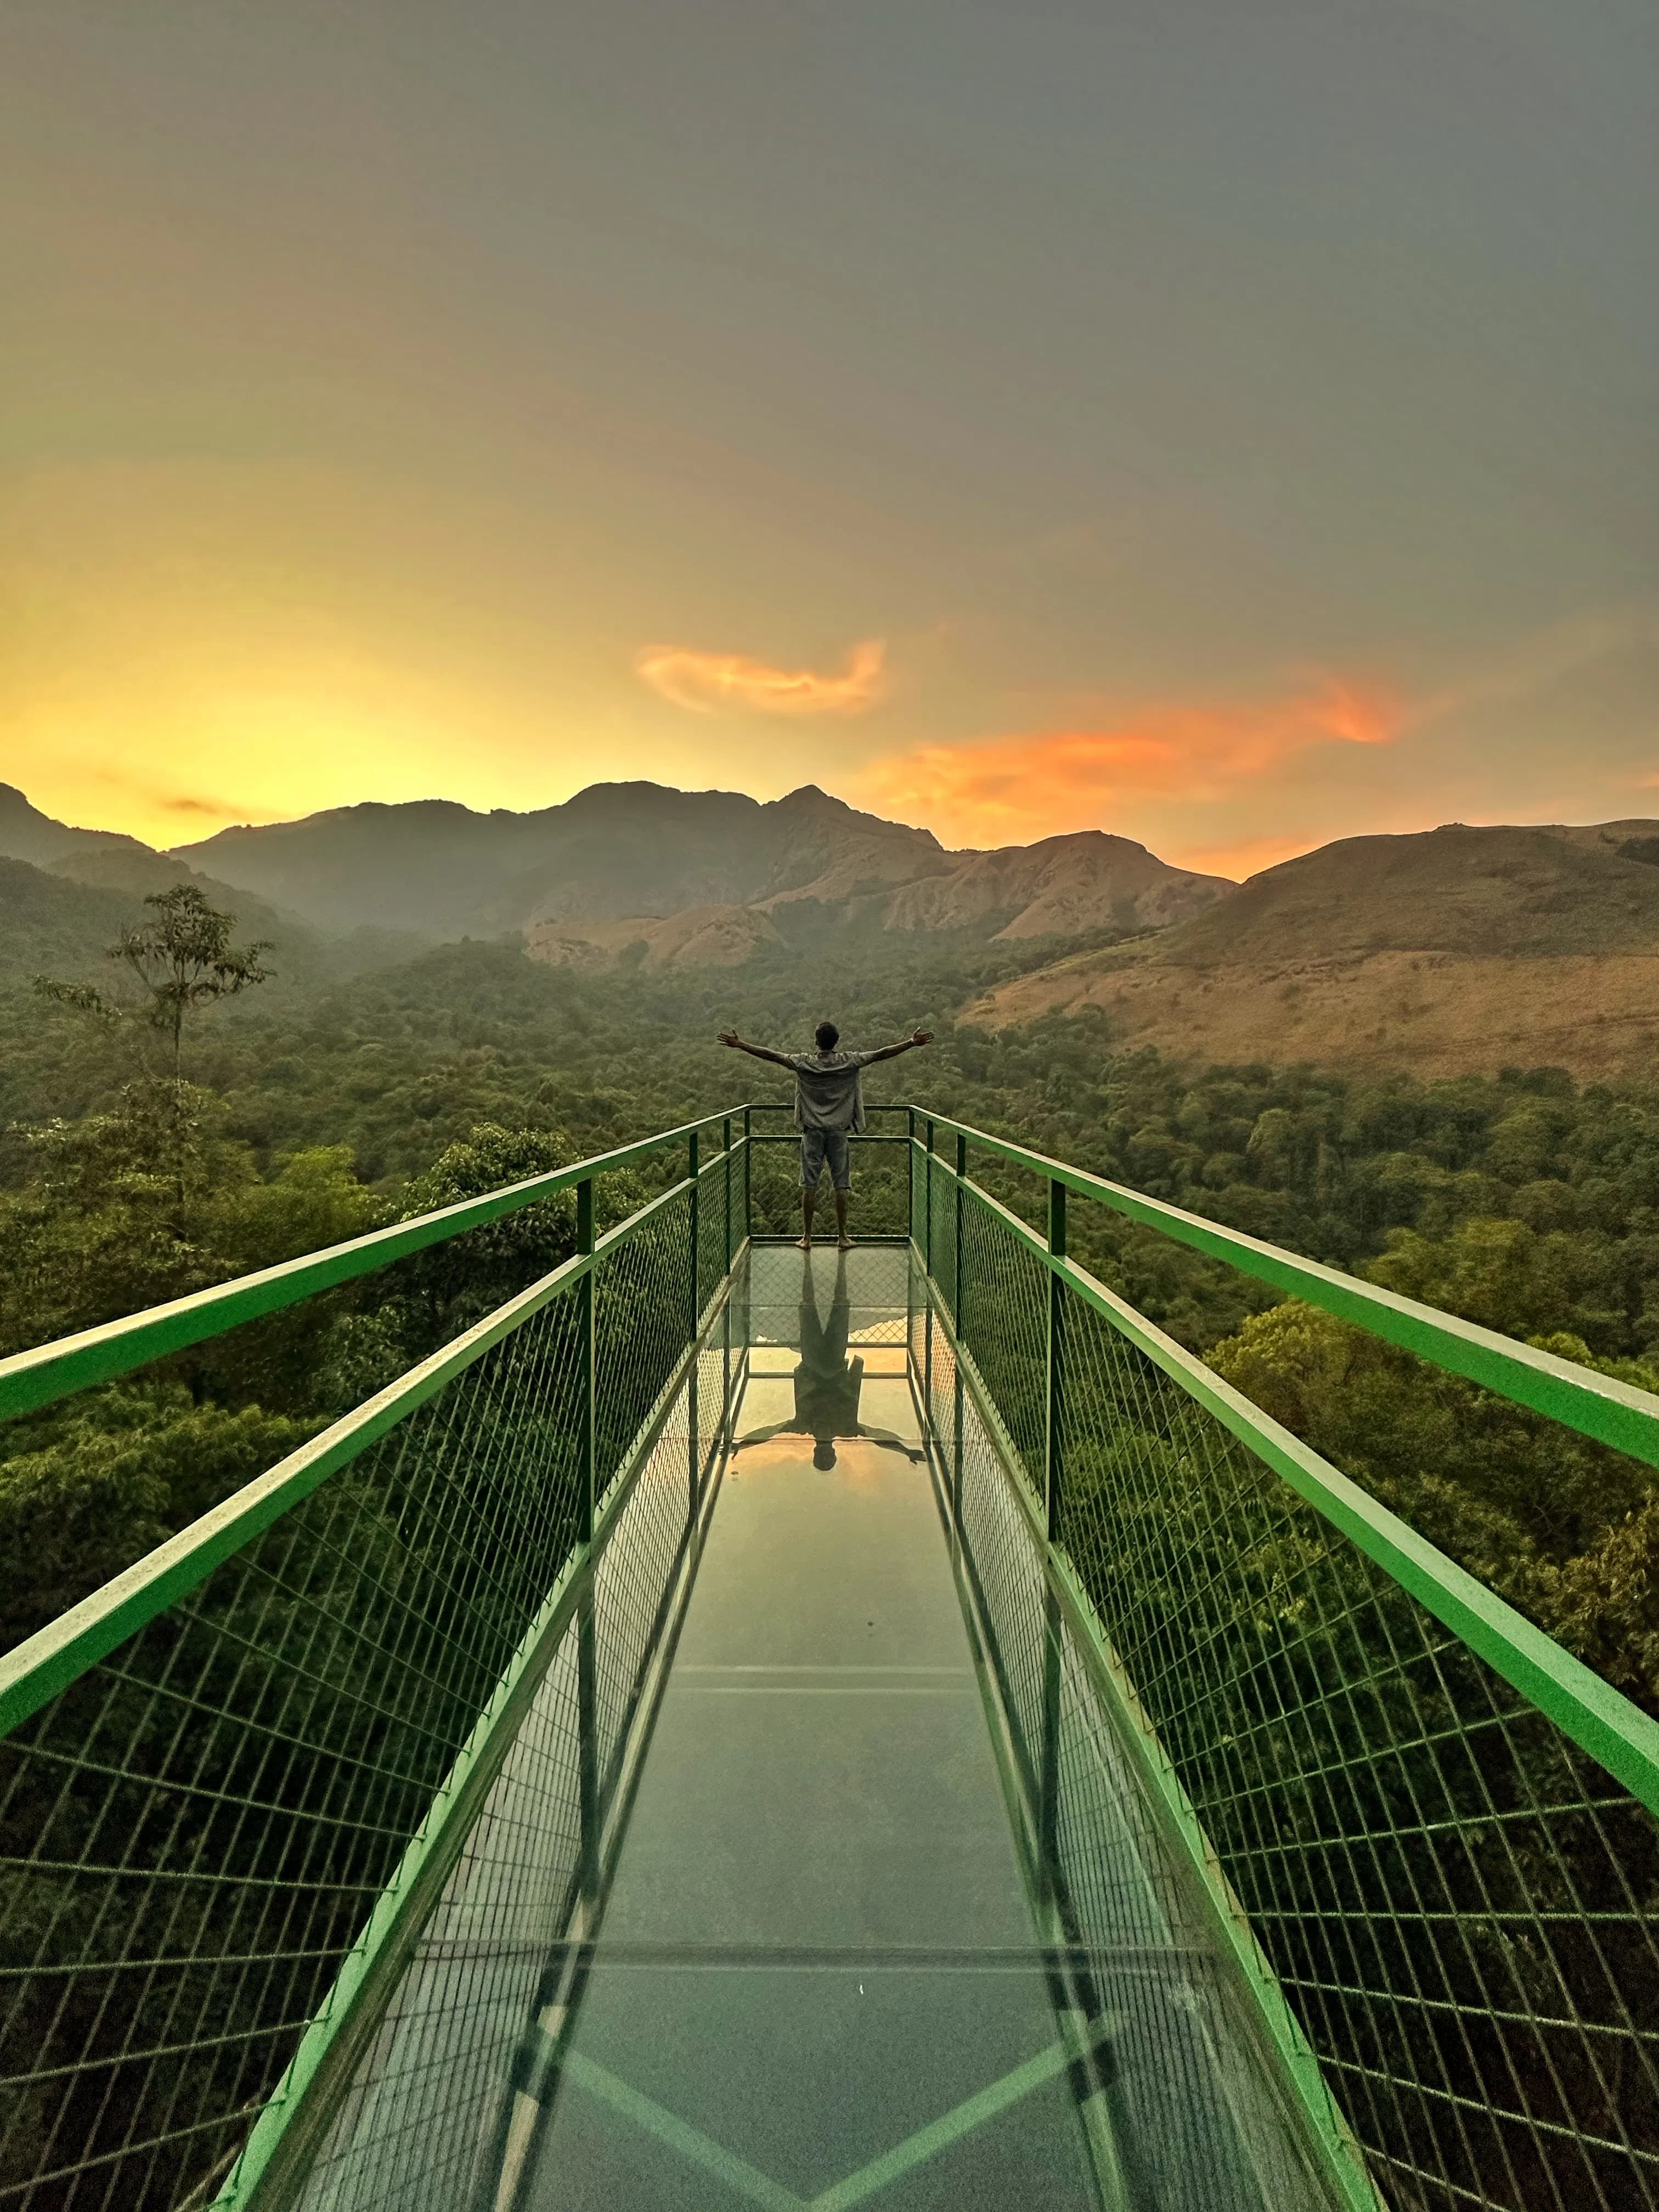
442	2108
936	1232
1004	1322
1459	1903
426	2113
631	1585
713	1254
1194	2104
642	1322
195	1830
997	1561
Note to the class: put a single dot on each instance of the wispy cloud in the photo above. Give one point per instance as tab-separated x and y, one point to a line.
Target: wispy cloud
709	683
1014	788
217	810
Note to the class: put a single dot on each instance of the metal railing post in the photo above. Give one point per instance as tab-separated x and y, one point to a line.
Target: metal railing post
726	1326
1049	1783
927	1198
748	1156
927	1266
959	1409
962	1178
695	1222
910	1172
588	1757
1054	1470
692	1408
725	1146
585	1449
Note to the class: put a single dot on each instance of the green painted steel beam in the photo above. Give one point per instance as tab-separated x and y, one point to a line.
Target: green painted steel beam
29	1380
34	1671
1597	1718
1597	1406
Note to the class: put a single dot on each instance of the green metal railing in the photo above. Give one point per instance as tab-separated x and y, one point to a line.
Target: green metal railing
233	1781
1429	1830
236	1783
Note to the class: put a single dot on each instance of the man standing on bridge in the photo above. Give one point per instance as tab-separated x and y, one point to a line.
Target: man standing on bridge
829	1108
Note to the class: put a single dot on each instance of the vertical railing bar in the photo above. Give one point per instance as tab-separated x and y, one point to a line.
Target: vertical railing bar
1048	1799
1054	1439
928	1258
726	1138
910	1170
587	1724
961	1185
748	1157
693	1223
695	1230
584	1332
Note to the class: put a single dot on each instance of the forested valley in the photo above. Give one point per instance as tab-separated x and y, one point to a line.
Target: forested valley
1523	1200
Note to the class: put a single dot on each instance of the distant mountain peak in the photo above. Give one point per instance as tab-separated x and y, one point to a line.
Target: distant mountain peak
644	853
26	834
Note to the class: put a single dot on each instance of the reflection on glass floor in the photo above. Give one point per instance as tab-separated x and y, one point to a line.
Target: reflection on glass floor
839	1941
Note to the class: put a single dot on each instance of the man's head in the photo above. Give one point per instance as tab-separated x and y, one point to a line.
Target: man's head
823	1454
829	1036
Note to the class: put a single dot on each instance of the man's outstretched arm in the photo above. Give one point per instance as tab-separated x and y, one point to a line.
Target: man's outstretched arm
755	1051
892	1051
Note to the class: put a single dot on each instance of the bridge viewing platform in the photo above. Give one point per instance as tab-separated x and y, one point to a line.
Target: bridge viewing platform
738	1728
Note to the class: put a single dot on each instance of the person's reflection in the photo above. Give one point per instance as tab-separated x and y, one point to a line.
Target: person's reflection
828	1384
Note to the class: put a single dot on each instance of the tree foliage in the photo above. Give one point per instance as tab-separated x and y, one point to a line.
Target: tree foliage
182	959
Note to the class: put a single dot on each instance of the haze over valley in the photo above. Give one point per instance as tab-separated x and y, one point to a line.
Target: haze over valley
1460	949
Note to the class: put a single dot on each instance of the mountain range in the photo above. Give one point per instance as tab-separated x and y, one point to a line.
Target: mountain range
1452	950
689	876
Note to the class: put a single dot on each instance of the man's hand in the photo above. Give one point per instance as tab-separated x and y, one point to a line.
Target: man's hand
731	1037
921	1036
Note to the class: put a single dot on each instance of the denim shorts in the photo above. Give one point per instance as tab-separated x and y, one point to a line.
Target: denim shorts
817	1146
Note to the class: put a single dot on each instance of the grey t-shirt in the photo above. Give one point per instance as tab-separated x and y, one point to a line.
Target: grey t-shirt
828	1089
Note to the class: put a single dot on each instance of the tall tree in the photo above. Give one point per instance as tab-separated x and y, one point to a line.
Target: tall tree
183	959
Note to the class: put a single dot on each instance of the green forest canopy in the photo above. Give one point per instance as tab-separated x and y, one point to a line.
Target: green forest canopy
1523	1201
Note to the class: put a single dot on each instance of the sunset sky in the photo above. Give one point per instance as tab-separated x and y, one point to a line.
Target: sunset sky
1231	423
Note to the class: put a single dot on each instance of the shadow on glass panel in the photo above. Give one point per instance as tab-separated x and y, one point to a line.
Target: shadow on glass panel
1183	2104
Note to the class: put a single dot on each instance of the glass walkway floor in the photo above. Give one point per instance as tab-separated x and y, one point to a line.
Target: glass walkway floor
823	1953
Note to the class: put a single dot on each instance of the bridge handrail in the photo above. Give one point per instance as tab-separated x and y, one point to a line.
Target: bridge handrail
46	1372
1597	1406
1601	1719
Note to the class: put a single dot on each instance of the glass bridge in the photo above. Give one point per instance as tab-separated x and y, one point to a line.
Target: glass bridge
737	1728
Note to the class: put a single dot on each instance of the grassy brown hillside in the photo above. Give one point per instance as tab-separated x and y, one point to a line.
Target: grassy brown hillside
1061	886
697	937
1458	950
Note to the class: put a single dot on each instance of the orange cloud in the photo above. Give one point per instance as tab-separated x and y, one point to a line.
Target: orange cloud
1014	788
705	683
